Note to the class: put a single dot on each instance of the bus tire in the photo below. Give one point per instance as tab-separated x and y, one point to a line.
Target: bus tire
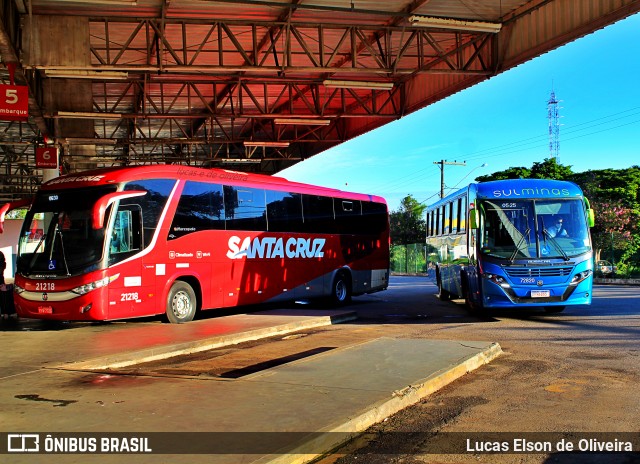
477	308
554	309
341	289
181	303
468	298
442	293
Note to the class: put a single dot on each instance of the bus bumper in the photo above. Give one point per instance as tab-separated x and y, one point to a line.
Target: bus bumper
52	306
503	295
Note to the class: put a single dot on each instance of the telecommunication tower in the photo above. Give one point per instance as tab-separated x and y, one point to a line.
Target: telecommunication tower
554	126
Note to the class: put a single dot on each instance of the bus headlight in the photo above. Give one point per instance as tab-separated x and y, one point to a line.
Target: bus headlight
580	276
17	289
497	279
86	288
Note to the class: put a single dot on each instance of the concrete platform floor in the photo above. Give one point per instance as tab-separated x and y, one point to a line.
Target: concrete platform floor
51	383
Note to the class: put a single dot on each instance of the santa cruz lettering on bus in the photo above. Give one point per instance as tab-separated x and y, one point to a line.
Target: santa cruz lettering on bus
275	247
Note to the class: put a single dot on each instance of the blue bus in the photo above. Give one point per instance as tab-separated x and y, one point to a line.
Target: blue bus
512	243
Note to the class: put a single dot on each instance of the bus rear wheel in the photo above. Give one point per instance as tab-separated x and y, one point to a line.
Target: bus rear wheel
341	289
181	303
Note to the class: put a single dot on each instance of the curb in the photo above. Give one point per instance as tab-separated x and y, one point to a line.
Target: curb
612	281
327	440
118	360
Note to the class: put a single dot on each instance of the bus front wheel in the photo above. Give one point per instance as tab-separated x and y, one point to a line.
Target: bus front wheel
181	303
341	289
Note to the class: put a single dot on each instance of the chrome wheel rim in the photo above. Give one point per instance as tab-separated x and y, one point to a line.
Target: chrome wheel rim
181	304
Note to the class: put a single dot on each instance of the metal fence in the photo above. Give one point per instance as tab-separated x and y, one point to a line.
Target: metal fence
409	259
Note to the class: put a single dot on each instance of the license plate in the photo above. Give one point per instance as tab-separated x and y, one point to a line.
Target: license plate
45	309
540	293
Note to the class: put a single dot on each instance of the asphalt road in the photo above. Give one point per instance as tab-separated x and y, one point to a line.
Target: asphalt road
560	375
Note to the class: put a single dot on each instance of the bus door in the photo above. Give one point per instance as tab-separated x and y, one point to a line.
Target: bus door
132	293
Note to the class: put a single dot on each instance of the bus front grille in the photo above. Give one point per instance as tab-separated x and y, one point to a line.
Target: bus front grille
539	271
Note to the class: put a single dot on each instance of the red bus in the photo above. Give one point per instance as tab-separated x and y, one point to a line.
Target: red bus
128	242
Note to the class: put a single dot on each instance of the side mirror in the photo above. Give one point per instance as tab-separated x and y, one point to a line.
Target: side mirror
473	218
591	217
101	205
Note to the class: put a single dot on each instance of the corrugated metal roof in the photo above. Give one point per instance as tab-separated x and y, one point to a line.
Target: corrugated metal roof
190	81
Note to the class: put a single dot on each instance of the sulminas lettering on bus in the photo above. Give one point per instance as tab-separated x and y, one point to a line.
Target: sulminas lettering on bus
275	247
530	192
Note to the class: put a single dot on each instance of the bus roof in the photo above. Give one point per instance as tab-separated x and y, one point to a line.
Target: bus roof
116	175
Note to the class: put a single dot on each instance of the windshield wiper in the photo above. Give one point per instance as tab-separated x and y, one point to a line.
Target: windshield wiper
64	253
522	239
555	243
34	257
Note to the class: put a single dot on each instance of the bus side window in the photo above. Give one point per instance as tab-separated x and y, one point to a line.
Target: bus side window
374	218
462	214
245	208
318	216
150	205
454	216
126	236
348	216
284	211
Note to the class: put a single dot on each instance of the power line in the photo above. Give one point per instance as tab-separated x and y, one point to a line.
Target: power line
442	164
529	143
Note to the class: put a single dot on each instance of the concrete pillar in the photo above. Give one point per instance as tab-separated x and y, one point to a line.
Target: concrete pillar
51	41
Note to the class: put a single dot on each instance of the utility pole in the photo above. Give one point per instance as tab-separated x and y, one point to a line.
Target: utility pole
442	164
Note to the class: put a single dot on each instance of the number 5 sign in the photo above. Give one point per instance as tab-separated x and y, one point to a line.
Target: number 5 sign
47	158
14	102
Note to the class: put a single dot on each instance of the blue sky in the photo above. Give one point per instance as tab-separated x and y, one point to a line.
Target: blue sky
502	122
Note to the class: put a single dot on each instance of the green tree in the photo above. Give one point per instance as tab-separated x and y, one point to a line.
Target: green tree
407	223
408	231
510	173
615	198
547	169
551	169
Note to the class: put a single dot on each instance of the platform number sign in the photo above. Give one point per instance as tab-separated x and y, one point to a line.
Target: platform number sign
47	157
14	102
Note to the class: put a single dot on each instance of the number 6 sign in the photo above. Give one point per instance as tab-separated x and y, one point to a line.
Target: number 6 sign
14	102
47	157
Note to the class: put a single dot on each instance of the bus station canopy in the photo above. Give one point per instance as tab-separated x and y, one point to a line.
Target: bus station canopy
247	85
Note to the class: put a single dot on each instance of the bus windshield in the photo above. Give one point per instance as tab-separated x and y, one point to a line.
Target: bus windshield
540	229
57	236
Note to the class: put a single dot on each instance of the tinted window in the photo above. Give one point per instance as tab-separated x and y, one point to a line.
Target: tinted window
348	216
284	211
126	235
318	214
201	207
454	216
152	204
245	208
462	212
446	227
374	218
